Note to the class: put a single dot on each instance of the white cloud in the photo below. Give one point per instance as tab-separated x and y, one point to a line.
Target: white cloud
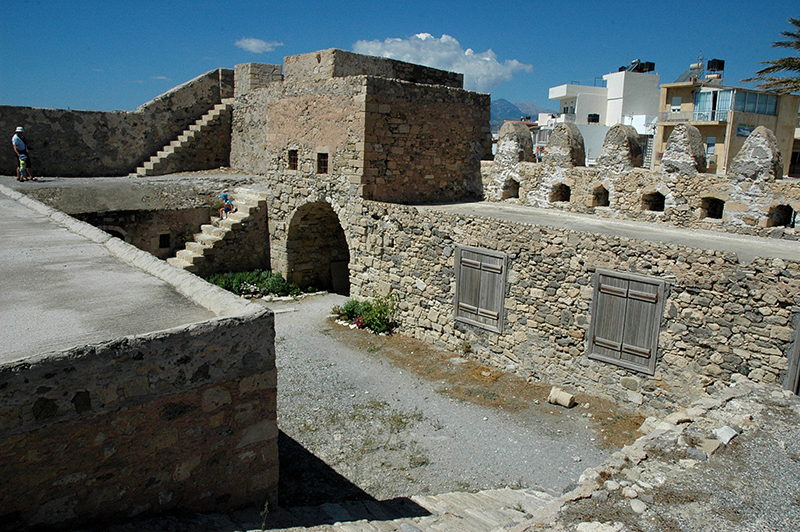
482	71
257	46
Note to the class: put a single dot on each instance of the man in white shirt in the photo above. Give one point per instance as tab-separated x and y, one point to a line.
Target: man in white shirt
21	148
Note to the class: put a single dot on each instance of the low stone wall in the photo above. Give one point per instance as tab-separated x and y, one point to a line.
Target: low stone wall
109	143
181	419
175	420
721	317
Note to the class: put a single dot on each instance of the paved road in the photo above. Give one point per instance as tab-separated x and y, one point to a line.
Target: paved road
389	432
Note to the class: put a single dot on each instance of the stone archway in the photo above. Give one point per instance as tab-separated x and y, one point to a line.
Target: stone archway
316	249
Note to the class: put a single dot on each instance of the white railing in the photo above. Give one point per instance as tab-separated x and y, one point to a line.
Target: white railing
696	116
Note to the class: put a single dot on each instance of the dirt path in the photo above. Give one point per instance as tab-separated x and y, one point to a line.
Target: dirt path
394	417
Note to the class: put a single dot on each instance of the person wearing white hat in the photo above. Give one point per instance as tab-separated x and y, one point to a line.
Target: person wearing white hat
21	149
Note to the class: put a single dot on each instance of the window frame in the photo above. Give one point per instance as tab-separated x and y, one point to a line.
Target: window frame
293	159
491	300
322	157
597	321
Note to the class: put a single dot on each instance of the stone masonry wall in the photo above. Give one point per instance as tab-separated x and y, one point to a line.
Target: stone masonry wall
424	143
721	316
144	228
333	63
251	76
747	202
182	419
179	419
311	118
110	143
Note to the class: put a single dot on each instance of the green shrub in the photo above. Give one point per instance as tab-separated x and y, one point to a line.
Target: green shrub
376	315
254	283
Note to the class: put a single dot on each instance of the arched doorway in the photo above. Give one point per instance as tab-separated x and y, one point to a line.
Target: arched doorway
316	249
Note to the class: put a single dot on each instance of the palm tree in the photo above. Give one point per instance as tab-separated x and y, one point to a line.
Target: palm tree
787	84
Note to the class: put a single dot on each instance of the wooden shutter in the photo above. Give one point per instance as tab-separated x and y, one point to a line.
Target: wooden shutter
480	287
626	318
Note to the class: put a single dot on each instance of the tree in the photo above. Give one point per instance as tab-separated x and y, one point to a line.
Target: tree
787	84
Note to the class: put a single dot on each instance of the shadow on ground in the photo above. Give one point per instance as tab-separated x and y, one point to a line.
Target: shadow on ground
312	493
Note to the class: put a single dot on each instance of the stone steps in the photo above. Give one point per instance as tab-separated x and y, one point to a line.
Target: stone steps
158	161
491	510
212	235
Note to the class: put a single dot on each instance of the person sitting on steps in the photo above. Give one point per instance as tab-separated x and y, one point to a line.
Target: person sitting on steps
227	206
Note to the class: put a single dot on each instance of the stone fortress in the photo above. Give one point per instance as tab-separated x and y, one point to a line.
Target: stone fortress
367	177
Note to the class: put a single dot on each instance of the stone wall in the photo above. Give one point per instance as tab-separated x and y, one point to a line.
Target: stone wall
110	143
182	419
722	316
423	143
251	76
749	201
333	63
385	139
148	229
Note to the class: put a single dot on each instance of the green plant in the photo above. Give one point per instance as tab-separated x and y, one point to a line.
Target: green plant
254	283
376	315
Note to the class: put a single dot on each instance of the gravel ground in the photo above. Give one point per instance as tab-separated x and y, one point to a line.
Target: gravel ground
388	431
750	484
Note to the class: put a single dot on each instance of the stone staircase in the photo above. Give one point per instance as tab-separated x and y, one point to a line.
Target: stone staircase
485	511
159	163
214	236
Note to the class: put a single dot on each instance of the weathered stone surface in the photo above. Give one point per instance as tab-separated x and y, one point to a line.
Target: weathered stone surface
685	152
759	158
514	145
110	143
565	147
141	419
622	150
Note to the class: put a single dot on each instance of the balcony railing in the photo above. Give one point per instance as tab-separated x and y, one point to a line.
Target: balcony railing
694	116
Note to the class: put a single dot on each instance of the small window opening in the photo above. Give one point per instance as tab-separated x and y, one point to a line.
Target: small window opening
600	197
593	118
511	189
292	159
712	208
561	192
781	216
653	202
322	163
163	241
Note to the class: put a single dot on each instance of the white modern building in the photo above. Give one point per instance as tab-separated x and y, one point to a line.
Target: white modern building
629	96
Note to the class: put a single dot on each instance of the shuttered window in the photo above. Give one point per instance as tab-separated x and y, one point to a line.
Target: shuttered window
480	287
626	319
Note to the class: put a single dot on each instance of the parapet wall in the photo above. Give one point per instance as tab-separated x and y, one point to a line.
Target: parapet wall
333	63
182	419
749	204
109	143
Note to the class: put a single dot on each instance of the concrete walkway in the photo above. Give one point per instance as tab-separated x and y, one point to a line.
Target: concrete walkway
744	246
59	290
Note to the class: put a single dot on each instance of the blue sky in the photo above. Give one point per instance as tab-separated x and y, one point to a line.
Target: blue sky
118	55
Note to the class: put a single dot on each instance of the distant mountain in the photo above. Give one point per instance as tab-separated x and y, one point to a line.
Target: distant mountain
503	110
